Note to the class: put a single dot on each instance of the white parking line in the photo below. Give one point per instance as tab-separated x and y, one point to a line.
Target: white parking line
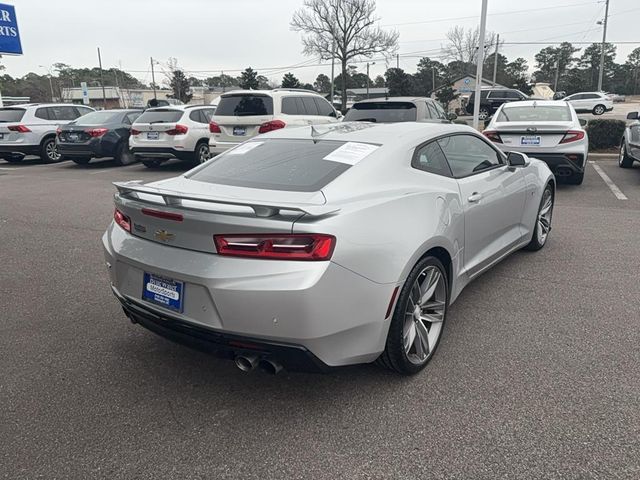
612	186
105	170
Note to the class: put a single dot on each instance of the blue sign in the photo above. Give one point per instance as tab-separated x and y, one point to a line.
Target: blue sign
9	33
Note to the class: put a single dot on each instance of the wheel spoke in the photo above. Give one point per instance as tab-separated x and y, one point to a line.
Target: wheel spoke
429	285
544	223
422	340
409	335
435	317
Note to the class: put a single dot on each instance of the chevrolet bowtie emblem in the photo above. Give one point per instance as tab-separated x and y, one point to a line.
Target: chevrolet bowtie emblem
164	236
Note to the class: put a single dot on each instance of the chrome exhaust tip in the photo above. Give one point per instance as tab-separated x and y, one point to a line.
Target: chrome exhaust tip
246	363
270	366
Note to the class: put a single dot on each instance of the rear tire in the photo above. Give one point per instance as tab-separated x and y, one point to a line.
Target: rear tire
81	161
483	114
543	220
49	151
599	109
575	179
624	161
202	153
418	319
152	163
123	155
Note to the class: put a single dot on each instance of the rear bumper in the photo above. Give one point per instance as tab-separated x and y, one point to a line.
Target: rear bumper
20	148
292	357
321	307
559	162
93	148
158	152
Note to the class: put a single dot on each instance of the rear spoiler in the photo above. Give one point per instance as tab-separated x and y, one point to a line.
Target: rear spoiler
261	209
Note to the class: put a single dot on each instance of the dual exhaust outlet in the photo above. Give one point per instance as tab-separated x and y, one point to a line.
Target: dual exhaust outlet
246	363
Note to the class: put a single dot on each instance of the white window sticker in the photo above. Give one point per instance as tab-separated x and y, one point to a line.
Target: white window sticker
351	152
245	148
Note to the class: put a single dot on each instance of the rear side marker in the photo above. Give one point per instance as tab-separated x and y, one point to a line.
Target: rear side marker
391	302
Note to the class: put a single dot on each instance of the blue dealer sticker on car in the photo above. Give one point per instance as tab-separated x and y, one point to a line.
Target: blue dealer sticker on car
165	292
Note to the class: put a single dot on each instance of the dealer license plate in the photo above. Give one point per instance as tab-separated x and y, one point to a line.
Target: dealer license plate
153	135
530	140
166	292
239	131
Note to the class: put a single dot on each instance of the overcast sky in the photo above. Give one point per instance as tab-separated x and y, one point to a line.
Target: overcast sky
207	36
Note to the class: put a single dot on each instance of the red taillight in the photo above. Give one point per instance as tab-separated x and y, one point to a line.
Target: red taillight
176	217
303	246
214	127
572	136
493	136
272	125
135	132
122	220
96	132
178	130
19	128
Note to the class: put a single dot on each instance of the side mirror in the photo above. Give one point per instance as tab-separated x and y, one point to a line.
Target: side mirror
517	159
452	116
583	122
633	115
339	114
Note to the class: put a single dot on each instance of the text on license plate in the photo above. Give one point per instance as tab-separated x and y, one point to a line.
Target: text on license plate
163	291
153	135
530	140
239	131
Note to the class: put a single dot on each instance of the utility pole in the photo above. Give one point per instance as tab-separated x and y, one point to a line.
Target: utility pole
333	57
483	28
153	80
433	79
368	79
604	39
104	94
397	60
555	82
115	74
495	60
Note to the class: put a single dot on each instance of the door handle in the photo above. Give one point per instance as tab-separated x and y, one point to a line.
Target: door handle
475	197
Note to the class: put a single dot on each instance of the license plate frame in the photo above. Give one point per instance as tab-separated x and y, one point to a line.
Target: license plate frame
165	292
239	131
153	135
73	137
530	140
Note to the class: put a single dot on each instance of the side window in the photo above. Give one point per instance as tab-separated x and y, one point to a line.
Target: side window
42	113
196	116
440	110
590	96
432	110
468	154
207	113
578	96
83	110
62	113
310	106
289	106
494	94
325	109
302	110
430	158
131	117
511	95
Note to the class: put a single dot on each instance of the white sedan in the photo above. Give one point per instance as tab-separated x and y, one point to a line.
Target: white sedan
545	129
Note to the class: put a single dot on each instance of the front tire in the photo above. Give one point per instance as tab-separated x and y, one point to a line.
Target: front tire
418	320
49	152
599	110
543	221
624	161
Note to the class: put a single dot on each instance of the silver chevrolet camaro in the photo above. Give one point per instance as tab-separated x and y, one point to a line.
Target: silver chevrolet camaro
316	247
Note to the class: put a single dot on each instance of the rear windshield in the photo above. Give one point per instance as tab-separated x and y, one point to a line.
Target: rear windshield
546	113
98	118
245	105
276	164
11	114
160	116
382	112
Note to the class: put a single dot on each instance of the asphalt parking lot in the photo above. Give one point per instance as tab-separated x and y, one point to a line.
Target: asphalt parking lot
537	375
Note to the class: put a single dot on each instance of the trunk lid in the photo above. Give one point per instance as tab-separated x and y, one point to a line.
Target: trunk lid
534	135
154	124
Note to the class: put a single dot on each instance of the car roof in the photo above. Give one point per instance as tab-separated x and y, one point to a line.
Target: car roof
534	103
365	132
392	99
270	93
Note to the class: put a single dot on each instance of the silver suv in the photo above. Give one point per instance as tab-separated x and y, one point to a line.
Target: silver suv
30	129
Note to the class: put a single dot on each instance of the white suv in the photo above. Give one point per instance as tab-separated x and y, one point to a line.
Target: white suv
594	102
30	129
176	131
243	114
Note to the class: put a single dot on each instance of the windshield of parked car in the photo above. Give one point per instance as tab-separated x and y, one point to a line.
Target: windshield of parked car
98	118
160	116
382	112
242	105
541	113
282	164
11	114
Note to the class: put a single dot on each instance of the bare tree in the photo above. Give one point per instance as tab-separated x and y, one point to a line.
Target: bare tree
343	29
463	44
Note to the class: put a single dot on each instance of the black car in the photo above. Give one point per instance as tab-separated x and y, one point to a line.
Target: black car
98	134
492	98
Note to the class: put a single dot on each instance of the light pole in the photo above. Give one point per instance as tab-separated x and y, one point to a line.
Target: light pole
483	28
49	75
604	39
368	64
